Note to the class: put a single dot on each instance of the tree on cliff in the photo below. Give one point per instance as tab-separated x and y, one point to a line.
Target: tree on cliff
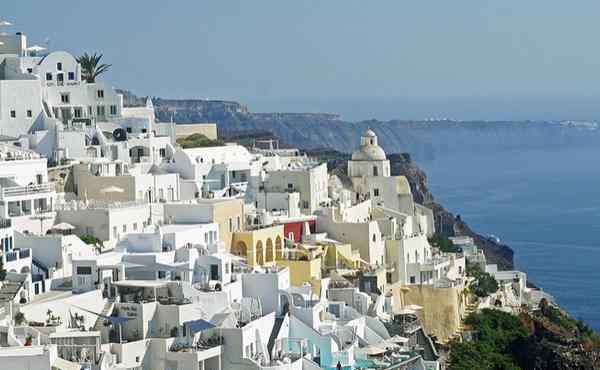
497	337
91	67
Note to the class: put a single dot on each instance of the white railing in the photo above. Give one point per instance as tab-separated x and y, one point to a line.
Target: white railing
77	205
15	191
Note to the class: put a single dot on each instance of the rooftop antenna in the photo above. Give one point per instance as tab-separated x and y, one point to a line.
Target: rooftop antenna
44	216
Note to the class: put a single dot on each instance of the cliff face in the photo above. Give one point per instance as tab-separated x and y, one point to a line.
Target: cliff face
423	139
446	222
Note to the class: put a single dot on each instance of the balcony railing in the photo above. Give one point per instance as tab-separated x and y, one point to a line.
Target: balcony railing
15	191
17	254
5	223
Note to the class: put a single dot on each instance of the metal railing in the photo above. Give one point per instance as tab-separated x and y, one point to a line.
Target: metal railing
17	254
15	191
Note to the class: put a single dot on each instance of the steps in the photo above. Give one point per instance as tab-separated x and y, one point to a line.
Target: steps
106	311
275	333
9	290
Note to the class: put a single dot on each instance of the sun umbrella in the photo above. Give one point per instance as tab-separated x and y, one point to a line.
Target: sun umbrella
36	48
63	226
112	189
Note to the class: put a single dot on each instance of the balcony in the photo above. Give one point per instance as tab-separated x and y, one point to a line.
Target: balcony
5	223
17	254
16	191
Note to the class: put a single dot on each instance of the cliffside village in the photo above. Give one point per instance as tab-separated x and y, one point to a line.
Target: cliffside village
123	250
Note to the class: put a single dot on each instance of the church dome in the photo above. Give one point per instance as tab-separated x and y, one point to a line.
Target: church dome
369	149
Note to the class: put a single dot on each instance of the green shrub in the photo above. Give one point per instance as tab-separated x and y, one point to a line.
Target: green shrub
498	337
198	141
443	243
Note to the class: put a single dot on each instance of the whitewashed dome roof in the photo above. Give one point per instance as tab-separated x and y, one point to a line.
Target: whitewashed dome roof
369	149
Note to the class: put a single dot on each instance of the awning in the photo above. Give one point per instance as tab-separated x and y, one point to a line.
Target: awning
373	350
199	325
61	364
398	339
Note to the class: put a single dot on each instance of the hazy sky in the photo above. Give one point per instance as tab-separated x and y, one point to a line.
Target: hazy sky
409	58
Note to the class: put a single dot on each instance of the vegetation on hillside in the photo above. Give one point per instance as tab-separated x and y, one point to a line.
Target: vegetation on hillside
198	141
497	338
484	284
91	67
444	244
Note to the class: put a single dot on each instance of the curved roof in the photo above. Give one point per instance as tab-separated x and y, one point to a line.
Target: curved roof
369	153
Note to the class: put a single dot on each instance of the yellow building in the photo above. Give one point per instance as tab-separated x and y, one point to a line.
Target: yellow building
259	246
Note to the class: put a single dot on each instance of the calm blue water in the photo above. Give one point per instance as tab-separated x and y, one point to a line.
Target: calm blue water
544	204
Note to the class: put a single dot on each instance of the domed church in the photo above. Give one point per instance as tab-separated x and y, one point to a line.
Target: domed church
369	160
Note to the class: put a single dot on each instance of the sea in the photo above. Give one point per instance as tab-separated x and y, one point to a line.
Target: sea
544	204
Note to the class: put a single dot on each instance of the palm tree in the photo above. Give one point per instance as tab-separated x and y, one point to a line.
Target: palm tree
90	67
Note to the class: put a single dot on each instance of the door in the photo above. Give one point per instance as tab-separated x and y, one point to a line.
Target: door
60	79
214	272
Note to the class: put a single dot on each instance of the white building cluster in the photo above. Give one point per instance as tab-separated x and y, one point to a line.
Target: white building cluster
123	250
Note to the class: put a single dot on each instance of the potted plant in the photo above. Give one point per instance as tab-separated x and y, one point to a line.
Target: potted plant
28	340
19	318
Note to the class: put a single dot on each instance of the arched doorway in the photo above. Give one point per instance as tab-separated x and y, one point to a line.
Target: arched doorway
25	270
239	249
260	259
278	247
269	254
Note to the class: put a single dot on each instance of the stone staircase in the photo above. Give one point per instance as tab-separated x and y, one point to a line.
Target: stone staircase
9	290
106	311
274	333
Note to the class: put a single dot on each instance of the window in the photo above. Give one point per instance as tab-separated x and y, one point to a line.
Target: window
412	280
48	76
29	113
376	192
59	66
305	204
239	223
230	225
100	94
374	237
135	226
124	228
84	270
290	186
162	274
375	171
128	130
113	110
206	238
77	112
30	70
90	110
64	98
162	152
13	114
114	231
71	76
100	110
227	268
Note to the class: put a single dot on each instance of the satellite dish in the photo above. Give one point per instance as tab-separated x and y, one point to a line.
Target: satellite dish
120	134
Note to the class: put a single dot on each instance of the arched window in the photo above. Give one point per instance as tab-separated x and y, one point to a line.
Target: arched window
374	237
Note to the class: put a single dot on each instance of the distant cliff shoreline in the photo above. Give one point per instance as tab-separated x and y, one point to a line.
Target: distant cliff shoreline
425	140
